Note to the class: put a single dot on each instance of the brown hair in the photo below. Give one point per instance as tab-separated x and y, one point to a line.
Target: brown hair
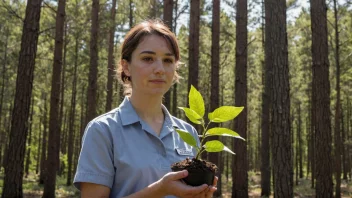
134	37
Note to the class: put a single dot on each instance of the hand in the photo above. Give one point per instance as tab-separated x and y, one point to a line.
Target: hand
212	188
170	184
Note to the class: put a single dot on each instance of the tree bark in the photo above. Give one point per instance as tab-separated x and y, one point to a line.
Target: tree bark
321	88
111	61
12	186
93	68
240	170
215	67
54	127
265	168
168	15
337	108
3	132
193	45
72	120
28	157
43	157
277	56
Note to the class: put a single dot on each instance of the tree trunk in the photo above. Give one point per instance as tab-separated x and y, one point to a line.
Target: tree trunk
193	45
44	147
111	65
337	109
300	142
28	158
54	127
168	8
3	71
239	173
265	167
72	120
12	186
62	99
214	93
343	146
93	69
312	136
277	56
321	88
39	146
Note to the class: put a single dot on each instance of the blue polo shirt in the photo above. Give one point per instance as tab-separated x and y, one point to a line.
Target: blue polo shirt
122	152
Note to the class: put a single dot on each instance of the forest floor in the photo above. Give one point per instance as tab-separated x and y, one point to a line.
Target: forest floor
32	189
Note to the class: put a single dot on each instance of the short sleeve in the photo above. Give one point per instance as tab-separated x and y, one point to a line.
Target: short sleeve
95	163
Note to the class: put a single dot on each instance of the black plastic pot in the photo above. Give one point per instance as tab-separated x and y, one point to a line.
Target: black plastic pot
197	178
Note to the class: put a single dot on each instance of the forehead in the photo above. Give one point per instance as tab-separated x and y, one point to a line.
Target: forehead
154	43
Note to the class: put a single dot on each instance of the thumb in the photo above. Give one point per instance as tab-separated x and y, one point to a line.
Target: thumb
177	175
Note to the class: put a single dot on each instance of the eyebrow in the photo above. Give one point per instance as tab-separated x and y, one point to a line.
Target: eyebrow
151	52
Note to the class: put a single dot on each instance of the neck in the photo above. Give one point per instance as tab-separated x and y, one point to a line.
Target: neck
147	107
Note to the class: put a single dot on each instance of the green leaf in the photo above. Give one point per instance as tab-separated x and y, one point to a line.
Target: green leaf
192	115
196	102
187	137
224	113
222	132
216	146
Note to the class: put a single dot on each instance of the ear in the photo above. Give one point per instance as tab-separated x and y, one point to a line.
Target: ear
125	66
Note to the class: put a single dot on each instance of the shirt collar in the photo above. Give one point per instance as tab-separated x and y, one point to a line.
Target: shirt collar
127	113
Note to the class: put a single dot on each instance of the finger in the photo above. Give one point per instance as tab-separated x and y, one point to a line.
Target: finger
197	190
215	182
211	191
177	175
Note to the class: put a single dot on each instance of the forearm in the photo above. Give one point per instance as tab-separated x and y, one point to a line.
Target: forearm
154	190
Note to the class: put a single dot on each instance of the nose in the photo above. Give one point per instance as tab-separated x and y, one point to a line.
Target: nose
159	67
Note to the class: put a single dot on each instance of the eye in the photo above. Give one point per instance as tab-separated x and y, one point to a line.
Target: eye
168	60
147	59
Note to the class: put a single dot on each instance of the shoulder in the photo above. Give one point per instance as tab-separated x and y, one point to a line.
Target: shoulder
104	124
181	124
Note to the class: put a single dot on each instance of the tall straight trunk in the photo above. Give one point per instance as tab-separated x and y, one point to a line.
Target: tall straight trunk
257	150
72	120
193	45
7	127
54	127
62	92
337	108
12	186
239	174
168	15
349	138
28	157
174	90
2	93
343	146
296	153
312	135
43	158
215	67
265	167
39	145
111	65
276	55
82	117
93	68
300	142
321	89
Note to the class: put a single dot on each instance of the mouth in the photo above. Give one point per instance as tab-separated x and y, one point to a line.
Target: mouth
158	81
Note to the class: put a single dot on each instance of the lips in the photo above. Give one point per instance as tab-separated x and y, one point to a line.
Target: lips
157	81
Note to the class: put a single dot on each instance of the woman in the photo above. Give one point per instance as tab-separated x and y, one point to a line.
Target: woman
128	151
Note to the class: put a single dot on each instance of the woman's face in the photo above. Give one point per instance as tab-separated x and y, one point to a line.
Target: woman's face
152	66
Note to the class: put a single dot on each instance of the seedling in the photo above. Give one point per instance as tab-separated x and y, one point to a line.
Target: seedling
195	113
